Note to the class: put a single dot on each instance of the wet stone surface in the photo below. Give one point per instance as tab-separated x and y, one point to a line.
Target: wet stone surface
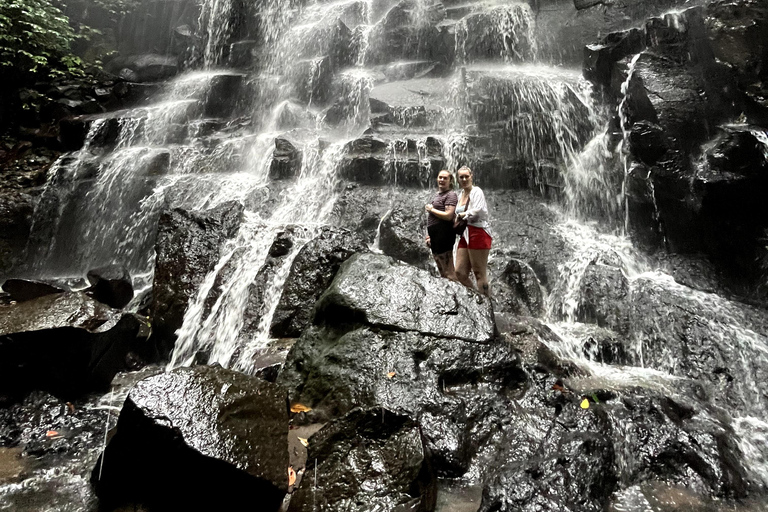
198	426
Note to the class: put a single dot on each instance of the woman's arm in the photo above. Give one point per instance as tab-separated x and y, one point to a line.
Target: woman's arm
479	208
446	215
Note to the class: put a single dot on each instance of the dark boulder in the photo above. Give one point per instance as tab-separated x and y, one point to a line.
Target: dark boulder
605	297
148	67
381	292
600	59
737	32
311	273
647	142
518	291
21	290
213	430
221	99
408	31
576	458
188	245
506	31
67	344
286	160
16	212
397	338
370	459
453	388
402	233
364	160
111	285
672	328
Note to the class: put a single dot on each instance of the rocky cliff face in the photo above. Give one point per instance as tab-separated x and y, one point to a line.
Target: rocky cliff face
260	188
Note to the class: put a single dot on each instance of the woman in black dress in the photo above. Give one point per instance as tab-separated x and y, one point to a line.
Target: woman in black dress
440	234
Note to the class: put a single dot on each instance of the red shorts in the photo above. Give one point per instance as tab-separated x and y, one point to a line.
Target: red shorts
478	239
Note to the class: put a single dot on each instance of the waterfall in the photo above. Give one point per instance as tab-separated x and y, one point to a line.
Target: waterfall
307	204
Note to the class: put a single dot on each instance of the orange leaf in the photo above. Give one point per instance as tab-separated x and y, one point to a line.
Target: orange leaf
300	408
391	374
291	476
51	433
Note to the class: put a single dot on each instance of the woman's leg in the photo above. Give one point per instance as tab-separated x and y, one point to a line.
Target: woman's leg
478	259
445	265
463	267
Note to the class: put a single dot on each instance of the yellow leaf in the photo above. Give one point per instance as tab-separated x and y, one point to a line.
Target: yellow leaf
390	375
585	404
300	408
291	476
304	441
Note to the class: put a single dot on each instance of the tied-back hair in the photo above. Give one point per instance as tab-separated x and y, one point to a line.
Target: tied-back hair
452	181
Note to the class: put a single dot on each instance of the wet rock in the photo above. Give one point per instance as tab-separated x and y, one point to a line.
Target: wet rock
504	31
571	470
737	32
453	388
598	344
312	79
281	245
188	245
369	459
420	102
311	273
656	318
67	343
111	285
667	86
364	160
604	297
518	291
243	54
407	32
25	424
292	115
520	134
570	463
330	38
402	233
16	210
286	160
73	131
559	455
223	94
714	206
407	70
21	290
528	229
381	292
648	142
149	67
600	59
198	428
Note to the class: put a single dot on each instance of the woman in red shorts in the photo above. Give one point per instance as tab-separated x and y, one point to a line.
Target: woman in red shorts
475	243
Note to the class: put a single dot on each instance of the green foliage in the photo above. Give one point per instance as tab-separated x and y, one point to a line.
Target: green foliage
35	39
